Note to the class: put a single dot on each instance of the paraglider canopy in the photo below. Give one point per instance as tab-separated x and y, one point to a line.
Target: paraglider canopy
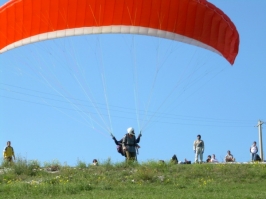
196	22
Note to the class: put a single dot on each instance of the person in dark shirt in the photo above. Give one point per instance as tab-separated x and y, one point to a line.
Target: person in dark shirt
129	145
208	159
119	144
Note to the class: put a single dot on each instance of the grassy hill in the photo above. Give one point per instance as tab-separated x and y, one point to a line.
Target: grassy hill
26	179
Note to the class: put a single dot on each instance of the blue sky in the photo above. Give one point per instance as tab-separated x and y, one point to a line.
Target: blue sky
60	99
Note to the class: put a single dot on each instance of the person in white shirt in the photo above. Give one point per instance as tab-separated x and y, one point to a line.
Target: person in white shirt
213	159
253	151
229	157
198	147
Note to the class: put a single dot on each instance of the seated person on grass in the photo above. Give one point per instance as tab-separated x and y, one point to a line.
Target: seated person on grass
213	159
174	159
208	159
229	157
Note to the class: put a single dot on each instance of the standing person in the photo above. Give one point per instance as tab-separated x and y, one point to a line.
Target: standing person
9	152
254	151
119	144
198	148
129	144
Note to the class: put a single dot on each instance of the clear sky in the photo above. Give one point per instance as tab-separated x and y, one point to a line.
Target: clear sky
60	99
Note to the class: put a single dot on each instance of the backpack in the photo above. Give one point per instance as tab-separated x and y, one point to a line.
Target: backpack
257	158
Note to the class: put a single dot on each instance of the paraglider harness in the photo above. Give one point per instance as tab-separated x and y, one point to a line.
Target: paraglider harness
119	144
257	158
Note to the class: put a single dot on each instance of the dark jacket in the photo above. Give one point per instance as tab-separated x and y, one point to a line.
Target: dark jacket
119	144
120	141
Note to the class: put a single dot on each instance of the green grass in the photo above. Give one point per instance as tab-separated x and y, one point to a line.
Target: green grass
27	179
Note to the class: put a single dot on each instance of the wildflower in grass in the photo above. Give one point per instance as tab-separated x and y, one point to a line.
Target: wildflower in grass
161	178
204	182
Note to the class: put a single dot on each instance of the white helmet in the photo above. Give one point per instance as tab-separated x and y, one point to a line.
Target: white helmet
130	131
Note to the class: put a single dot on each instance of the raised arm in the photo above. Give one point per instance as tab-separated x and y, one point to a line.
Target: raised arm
116	142
138	138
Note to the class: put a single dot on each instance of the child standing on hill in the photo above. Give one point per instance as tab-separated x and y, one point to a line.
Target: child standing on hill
9	152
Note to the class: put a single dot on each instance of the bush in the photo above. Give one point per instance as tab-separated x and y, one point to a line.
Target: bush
81	165
52	166
20	167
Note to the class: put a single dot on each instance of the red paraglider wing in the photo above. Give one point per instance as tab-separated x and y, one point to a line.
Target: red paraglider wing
196	22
